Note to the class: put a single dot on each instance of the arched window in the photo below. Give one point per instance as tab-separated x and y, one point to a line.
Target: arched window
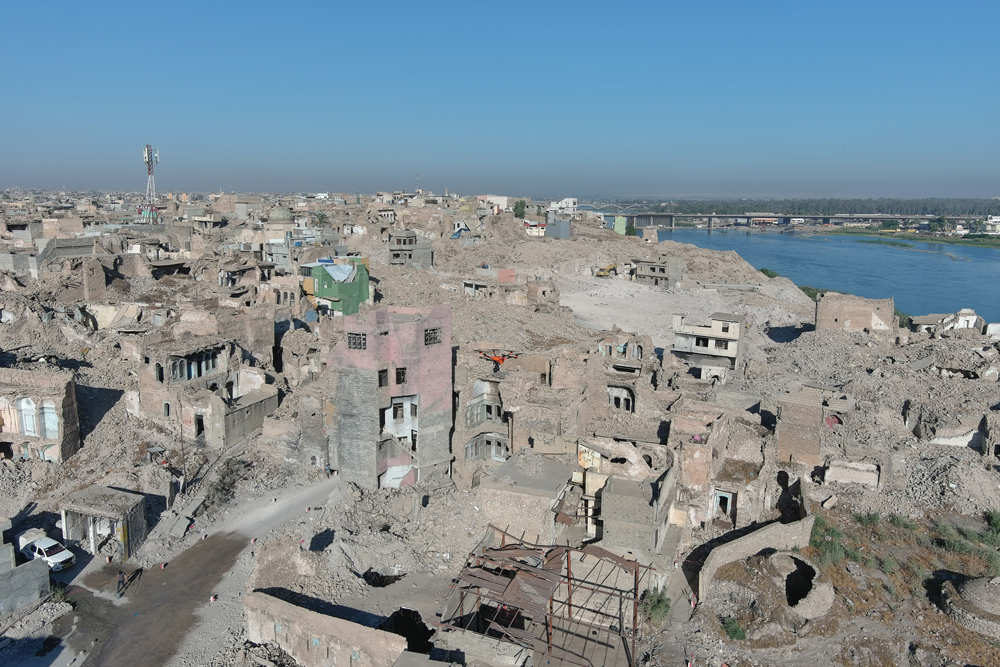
215	359
159	373
277	298
50	420
173	371
8	413
291	300
26	410
166	409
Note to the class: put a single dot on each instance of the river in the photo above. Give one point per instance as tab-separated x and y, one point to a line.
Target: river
925	278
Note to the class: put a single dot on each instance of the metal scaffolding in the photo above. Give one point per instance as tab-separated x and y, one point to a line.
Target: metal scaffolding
528	594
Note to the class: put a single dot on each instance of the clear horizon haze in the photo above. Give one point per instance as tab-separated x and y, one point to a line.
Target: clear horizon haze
553	99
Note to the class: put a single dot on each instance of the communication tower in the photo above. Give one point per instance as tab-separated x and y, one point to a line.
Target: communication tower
151	157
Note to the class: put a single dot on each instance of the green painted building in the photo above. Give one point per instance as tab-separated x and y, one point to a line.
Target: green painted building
340	287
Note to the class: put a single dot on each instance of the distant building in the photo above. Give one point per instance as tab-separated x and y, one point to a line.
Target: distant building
663	272
565	206
338	288
408	249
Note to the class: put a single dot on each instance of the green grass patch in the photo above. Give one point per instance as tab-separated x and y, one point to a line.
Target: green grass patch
899	521
732	628
887	565
656	606
769	273
871	520
813	292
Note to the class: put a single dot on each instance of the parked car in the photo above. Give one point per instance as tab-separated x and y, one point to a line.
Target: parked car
35	544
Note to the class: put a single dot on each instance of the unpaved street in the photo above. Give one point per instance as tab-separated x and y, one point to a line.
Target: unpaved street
161	605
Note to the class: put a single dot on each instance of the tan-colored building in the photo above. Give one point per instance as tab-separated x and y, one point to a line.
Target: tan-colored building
38	415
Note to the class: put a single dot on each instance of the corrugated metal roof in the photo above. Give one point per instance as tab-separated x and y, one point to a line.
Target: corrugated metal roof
342	273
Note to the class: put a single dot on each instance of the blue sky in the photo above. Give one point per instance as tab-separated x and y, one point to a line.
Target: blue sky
541	99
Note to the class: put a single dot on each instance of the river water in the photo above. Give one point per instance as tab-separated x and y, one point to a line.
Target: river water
926	278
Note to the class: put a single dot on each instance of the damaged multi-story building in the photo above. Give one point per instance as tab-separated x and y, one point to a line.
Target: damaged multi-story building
387	412
406	248
716	348
197	388
38	415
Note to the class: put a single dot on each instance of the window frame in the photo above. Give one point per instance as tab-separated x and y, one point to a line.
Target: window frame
357	341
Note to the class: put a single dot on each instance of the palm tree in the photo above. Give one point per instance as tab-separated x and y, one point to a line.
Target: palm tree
320	218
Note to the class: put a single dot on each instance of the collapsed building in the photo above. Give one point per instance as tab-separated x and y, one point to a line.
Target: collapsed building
529	601
200	388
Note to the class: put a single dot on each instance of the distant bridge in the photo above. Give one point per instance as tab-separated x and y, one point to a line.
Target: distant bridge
669	220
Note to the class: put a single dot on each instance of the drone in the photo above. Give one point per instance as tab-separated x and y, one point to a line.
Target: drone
497	357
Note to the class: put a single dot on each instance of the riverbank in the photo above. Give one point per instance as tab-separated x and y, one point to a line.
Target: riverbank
992	242
927	278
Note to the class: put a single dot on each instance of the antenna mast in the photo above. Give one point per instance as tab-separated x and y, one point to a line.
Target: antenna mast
151	157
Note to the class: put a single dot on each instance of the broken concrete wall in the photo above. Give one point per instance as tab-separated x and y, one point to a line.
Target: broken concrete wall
23	586
778	536
798	433
853	313
318	640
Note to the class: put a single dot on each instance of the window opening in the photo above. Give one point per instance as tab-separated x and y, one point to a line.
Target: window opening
357	341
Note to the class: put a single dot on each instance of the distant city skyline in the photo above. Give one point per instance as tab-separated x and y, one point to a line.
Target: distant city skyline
721	100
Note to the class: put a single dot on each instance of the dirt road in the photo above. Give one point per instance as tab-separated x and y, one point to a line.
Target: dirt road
162	604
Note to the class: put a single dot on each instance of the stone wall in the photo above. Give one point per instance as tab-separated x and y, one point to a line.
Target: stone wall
519	512
23	586
318	640
964	613
777	536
